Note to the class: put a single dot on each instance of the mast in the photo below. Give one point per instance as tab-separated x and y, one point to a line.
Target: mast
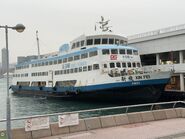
38	44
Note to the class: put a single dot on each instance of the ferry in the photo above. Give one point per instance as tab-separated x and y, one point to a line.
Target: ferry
100	65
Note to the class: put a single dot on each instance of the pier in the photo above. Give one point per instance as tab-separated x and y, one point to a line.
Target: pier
155	120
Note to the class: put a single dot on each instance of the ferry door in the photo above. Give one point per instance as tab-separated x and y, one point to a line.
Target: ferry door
50	78
105	67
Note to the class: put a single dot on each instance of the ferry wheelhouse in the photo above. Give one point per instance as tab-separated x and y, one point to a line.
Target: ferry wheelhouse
94	66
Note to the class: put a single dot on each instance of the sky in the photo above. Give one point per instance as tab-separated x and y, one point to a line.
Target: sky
61	21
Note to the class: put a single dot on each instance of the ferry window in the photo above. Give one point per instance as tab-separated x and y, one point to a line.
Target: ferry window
129	65
71	70
134	65
50	62
78	44
42	63
105	65
39	64
90	42
138	65
112	65
59	61
76	70
121	51
84	55
89	68
85	68
46	63
124	65
70	59
104	41
114	51
95	66
135	52
38	73
73	46
97	41
105	51
77	57
117	41
31	65
80	69
61	71
55	62
111	41
67	71
64	60
121	42
82	43
56	72
118	65
129	51
93	53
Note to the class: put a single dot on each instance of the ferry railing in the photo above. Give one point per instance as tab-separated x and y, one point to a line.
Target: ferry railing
158	68
157	32
151	107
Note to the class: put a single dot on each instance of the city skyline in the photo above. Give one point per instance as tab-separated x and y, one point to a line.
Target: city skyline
62	21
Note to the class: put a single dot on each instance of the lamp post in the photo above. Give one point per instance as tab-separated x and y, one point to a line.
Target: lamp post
19	28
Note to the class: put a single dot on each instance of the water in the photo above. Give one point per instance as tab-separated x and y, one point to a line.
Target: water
26	106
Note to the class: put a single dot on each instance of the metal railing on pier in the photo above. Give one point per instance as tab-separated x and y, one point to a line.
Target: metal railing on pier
19	121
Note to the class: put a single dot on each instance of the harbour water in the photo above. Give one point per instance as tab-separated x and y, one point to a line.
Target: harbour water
26	106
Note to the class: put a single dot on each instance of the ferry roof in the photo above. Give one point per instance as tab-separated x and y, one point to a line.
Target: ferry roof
98	35
98	47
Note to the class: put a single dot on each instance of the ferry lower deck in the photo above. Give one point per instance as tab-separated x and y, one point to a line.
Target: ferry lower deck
146	91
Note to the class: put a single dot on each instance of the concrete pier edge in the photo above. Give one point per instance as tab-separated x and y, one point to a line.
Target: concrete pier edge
101	122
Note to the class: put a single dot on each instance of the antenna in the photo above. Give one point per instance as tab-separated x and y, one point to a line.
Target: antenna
38	44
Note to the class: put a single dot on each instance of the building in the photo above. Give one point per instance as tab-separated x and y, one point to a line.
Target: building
4	60
161	48
22	59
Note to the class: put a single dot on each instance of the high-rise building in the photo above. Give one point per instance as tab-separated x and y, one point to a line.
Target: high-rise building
4	60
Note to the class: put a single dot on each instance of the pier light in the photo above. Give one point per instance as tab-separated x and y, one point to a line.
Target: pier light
19	28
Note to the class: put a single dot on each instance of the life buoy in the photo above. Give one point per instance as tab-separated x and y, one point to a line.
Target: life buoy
41	88
130	78
130	72
54	88
20	86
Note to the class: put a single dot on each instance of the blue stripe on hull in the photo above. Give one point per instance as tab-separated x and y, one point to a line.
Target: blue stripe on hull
123	84
140	92
62	90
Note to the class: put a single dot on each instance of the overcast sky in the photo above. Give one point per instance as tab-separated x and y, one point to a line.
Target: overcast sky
60	21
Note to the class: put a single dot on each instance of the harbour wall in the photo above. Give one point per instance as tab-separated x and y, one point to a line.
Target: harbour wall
100	122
